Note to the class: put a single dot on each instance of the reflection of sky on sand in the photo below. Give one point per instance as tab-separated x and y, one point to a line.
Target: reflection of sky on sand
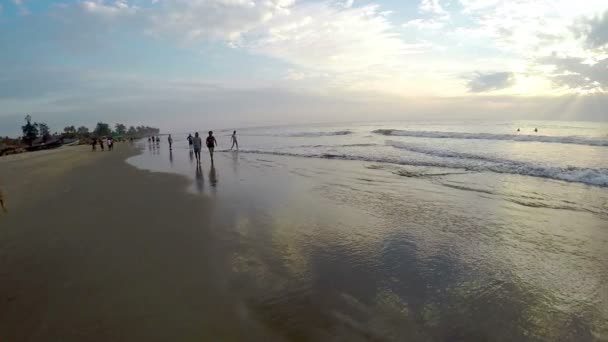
331	249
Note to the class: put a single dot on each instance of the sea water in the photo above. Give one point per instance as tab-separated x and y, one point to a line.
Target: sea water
420	231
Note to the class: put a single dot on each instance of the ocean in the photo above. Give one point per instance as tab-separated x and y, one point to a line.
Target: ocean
420	231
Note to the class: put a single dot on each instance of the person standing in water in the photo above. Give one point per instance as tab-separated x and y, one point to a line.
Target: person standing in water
189	138
234	141
170	140
211	144
197	143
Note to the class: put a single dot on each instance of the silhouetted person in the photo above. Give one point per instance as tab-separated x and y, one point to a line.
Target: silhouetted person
94	144
211	143
234	141
101	144
536	130
197	143
518	129
190	140
170	140
110	144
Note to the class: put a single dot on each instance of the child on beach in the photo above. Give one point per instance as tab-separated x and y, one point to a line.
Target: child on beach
189	138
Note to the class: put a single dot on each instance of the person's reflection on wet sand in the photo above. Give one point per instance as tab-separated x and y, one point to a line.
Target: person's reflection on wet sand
191	156
213	176
235	161
171	157
200	181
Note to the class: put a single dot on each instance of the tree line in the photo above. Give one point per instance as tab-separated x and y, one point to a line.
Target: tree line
33	131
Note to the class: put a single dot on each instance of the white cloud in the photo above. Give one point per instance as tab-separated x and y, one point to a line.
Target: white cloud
433	7
100	7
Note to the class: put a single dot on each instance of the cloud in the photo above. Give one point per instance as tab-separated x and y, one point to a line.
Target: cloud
99	7
485	82
432	7
434	16
578	73
595	30
330	36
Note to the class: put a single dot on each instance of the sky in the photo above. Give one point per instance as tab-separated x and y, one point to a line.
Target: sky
238	63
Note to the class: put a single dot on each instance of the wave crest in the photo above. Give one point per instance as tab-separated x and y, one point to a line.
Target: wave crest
491	136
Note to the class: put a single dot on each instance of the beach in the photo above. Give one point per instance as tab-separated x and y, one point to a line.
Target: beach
140	244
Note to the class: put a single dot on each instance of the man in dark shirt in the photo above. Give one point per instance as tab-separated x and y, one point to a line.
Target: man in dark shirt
211	144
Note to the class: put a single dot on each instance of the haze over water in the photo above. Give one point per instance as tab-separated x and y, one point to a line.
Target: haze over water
430	231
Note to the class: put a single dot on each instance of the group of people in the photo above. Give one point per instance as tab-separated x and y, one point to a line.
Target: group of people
100	141
196	143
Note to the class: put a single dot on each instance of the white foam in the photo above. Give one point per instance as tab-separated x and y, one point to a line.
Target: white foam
463	161
490	136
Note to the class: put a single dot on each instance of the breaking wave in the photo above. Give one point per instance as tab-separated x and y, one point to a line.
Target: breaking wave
318	134
464	161
490	136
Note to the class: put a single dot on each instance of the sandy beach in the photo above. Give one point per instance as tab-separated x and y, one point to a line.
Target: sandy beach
94	249
260	247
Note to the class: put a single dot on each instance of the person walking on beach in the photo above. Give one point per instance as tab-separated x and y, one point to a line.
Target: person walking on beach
101	144
110	143
189	138
170	140
197	143
211	144
234	141
94	144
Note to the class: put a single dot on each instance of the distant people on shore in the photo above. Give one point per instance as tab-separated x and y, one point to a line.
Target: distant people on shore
211	144
110	143
190	142
536	130
170	140
101	144
197	143
94	144
234	141
518	129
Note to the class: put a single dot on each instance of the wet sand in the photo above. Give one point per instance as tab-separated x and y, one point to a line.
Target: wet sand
93	249
265	248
